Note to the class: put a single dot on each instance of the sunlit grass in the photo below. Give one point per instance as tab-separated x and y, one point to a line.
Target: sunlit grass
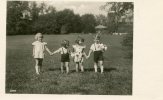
20	72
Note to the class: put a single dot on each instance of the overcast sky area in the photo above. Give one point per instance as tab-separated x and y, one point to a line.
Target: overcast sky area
79	7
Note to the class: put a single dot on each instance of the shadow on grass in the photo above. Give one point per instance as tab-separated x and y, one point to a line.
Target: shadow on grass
54	69
86	70
92	70
105	69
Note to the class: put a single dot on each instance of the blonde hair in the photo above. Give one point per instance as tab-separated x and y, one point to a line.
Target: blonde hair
38	35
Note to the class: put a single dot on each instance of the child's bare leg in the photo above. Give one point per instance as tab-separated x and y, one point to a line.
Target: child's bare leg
62	64
67	66
95	66
101	66
37	66
40	64
81	67
77	66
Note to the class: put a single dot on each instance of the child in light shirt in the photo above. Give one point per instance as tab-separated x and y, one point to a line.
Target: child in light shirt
39	48
98	49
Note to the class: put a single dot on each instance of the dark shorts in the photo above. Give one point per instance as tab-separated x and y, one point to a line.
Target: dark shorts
98	56
65	57
40	60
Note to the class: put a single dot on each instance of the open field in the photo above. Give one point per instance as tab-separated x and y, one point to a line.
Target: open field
20	72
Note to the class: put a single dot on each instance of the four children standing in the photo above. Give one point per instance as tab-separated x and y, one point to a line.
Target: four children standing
77	53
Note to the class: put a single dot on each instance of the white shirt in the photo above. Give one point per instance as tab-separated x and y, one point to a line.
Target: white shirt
98	47
62	50
39	48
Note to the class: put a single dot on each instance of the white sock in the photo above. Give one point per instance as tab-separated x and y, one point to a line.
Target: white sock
102	68
82	69
95	67
61	69
77	68
37	70
67	69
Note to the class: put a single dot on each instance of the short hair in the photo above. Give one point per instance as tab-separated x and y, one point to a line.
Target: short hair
79	39
65	43
38	35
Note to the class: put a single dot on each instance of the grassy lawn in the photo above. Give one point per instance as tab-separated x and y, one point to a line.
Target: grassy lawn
20	71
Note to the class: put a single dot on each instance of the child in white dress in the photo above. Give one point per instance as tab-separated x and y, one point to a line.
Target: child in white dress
78	54
38	51
65	52
98	48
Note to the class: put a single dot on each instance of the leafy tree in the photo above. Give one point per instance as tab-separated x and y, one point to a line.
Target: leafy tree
65	20
76	24
34	11
29	17
15	19
101	20
89	23
115	12
46	23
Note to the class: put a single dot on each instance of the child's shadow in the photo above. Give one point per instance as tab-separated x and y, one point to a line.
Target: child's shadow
54	69
105	69
86	69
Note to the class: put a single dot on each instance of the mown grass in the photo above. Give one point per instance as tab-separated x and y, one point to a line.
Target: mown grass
20	72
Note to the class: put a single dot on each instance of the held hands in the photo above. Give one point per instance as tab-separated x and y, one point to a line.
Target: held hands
51	54
87	56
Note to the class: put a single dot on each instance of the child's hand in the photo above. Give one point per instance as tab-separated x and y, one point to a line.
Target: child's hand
51	54
72	54
87	57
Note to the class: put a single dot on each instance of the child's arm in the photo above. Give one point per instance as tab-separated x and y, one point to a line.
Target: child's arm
85	55
90	51
57	51
72	51
83	52
48	50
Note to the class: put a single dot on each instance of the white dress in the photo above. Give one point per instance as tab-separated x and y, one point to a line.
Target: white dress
78	53
39	48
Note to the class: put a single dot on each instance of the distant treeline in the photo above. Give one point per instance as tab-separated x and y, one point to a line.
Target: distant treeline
29	17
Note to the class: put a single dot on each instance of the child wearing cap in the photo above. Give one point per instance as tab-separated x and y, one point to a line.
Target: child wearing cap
38	51
78	53
65	52
98	49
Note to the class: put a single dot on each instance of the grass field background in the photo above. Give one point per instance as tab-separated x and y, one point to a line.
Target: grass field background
20	71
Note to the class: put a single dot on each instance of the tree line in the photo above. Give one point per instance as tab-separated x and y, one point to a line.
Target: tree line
29	17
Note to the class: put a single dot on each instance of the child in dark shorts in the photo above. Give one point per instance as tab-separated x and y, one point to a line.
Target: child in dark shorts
98	48
65	53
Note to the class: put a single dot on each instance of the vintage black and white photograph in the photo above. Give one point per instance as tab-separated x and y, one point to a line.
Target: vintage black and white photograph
69	47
